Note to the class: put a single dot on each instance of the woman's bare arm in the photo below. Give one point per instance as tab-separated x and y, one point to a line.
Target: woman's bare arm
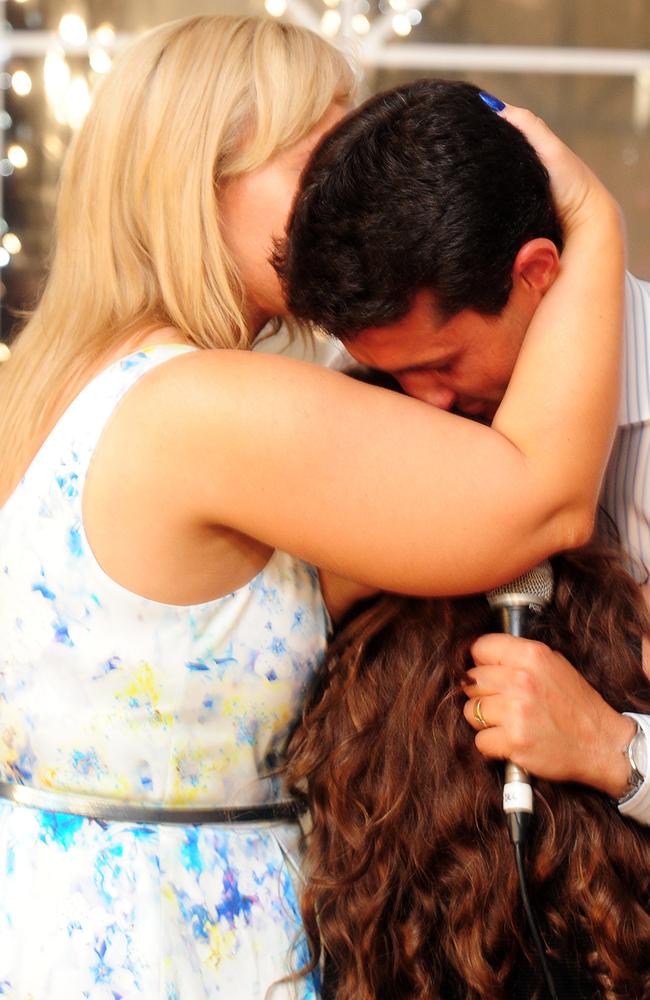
374	486
581	314
386	490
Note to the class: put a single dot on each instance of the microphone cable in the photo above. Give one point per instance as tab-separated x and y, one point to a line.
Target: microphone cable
532	923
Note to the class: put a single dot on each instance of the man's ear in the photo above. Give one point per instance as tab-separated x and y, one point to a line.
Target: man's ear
536	266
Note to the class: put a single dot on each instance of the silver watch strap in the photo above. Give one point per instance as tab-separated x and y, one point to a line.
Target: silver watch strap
636	777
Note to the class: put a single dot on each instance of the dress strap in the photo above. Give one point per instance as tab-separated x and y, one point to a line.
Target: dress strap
68	450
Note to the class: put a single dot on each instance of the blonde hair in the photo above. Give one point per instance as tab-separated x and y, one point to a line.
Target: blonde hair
138	238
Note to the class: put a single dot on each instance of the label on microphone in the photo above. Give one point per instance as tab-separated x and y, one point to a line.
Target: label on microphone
517	797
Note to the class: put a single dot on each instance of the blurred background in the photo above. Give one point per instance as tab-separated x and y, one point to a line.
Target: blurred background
584	65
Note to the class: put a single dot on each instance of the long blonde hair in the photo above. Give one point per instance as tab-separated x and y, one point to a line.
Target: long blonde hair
138	239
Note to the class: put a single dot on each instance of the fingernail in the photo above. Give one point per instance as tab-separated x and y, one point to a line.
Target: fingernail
491	101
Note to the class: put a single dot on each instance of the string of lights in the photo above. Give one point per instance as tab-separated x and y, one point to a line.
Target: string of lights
354	17
66	64
68	94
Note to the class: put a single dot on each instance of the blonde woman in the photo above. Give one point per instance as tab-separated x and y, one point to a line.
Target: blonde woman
165	497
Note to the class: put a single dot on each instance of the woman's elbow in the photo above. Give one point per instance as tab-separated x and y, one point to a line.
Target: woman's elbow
573	526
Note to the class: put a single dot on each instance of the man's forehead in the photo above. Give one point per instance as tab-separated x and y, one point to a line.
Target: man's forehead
415	339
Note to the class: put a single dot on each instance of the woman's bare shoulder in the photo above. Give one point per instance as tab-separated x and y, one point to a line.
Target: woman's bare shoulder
197	376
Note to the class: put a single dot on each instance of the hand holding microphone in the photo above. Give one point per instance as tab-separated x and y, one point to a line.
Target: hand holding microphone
535	711
530	706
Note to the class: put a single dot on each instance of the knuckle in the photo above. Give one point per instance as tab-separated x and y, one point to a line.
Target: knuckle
536	649
524	683
532	118
480	644
468	713
535	655
482	743
520	738
526	116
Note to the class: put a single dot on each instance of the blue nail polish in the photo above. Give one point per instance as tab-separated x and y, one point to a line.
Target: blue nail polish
491	101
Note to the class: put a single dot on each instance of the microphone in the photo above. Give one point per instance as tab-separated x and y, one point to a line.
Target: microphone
515	603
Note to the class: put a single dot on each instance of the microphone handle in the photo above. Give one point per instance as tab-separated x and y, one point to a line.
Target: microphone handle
514	618
517	790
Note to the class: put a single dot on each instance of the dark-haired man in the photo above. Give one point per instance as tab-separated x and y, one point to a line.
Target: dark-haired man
425	236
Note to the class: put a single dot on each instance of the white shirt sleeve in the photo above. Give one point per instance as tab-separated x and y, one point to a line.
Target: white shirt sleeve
317	349
638	807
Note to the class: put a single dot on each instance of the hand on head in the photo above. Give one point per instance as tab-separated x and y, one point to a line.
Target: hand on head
573	184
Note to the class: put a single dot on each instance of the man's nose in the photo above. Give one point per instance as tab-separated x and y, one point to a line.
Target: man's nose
439	396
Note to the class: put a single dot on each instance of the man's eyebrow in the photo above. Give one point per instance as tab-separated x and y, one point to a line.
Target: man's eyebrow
424	366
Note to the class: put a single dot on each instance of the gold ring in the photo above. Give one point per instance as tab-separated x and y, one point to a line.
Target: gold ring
477	714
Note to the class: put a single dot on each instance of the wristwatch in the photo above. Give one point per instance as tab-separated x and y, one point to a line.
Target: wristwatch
637	754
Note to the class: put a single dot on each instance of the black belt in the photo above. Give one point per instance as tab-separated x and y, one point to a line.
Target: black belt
116	811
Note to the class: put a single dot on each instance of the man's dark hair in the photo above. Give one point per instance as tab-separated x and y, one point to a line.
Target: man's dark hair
424	186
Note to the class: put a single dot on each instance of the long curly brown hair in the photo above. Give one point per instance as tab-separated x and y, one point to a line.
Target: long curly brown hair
411	888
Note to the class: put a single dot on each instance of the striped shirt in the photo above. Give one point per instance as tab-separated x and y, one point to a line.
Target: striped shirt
626	493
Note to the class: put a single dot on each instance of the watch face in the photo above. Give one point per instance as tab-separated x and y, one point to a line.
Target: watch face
639	748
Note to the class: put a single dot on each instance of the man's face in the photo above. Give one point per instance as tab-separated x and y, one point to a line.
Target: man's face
463	363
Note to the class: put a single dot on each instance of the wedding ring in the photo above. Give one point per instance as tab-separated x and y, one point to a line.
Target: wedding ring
477	714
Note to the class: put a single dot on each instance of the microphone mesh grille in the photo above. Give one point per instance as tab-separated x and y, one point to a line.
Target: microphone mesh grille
534	588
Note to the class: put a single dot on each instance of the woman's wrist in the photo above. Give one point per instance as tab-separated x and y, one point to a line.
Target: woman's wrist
598	209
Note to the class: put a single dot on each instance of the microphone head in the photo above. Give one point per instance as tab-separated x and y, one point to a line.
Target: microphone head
533	589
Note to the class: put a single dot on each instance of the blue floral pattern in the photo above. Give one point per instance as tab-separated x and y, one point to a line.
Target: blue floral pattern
105	692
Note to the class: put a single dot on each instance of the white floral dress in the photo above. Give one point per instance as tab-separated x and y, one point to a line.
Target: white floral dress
104	692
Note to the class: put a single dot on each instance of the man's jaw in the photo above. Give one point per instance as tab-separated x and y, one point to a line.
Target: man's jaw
480	411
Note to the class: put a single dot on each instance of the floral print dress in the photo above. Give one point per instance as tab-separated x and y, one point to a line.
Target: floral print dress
105	692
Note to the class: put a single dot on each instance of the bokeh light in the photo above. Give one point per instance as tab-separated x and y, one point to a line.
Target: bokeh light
360	24
73	30
12	243
17	155
401	25
330	23
99	59
21	82
104	34
276	8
